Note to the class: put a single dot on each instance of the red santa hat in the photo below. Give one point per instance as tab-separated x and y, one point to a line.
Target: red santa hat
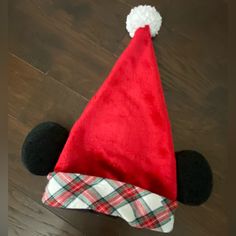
119	157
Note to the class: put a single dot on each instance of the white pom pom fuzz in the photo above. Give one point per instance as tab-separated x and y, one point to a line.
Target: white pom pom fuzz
141	16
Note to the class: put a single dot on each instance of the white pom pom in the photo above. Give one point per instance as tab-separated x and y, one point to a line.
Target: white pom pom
141	16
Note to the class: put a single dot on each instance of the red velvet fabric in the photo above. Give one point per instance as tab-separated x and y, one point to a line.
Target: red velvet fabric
124	133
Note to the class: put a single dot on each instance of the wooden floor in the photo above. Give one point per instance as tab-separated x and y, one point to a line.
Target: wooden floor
60	51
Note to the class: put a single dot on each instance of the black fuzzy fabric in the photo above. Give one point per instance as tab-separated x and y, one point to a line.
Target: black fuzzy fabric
194	178
42	147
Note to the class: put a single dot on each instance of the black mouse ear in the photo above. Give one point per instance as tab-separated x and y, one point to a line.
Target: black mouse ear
194	178
42	147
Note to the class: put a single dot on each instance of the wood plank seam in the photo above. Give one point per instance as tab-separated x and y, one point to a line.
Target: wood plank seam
46	74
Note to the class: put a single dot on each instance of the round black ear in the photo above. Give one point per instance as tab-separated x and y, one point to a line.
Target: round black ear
42	147
194	178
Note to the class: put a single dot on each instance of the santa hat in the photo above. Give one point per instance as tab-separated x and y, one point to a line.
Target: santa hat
119	156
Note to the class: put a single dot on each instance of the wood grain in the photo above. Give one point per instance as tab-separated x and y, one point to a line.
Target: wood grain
40	97
28	218
42	35
61	52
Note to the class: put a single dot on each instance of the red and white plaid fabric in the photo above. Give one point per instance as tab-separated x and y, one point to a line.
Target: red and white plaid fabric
139	207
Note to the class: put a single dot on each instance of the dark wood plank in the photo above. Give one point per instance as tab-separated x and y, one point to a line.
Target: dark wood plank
26	217
161	6
51	38
101	21
35	97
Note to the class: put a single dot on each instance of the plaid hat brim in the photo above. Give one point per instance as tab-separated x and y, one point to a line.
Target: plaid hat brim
139	207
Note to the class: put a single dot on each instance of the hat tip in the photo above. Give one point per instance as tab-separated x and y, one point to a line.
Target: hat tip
141	16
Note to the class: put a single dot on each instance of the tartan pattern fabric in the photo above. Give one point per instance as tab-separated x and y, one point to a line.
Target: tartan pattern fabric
139	207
